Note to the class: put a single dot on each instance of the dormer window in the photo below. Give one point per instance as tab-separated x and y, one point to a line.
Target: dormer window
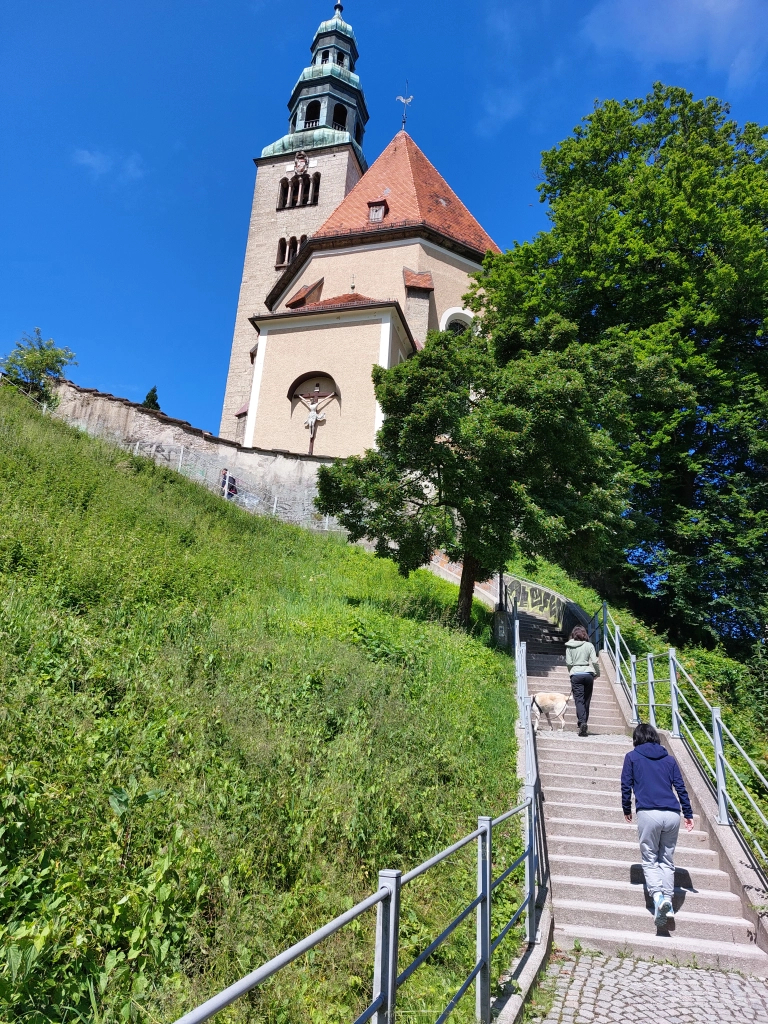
377	210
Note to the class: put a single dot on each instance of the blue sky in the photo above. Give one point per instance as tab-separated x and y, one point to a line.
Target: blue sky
128	132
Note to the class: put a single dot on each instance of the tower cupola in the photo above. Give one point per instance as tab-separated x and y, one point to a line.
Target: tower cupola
327	105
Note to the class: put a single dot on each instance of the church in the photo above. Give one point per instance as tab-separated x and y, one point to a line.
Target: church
346	267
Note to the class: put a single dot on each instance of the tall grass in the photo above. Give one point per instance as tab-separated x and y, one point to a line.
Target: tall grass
216	729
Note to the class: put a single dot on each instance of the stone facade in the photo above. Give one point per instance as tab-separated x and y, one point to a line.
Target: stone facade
338	346
291	477
339	170
377	270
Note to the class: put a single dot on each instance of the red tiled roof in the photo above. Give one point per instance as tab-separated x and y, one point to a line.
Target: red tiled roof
301	296
415	192
350	299
414	279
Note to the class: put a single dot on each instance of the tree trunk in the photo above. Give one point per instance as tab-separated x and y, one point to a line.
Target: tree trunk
469	570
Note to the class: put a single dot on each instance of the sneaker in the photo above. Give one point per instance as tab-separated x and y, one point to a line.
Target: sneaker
583	729
666	907
659	909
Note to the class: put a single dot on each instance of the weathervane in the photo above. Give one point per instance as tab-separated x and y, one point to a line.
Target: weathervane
405	101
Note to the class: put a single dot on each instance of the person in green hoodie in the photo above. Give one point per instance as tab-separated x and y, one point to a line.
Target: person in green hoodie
583	666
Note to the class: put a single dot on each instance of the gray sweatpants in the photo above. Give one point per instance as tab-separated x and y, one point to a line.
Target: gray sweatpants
657	832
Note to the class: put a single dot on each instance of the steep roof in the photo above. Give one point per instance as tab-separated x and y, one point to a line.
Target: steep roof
350	299
415	193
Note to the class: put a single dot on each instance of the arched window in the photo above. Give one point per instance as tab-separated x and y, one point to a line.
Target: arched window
456	319
281	250
295	187
282	197
340	117
359	134
457	326
293	248
315	189
325	57
302	242
340	56
312	117
306	188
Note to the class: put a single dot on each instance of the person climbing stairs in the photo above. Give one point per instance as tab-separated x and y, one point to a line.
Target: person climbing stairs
598	897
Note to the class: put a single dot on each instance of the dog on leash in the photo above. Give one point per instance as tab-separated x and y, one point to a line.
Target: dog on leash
552	706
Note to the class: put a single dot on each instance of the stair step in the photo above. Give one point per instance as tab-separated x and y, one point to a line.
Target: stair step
686	952
589	891
584	797
596	778
610	812
604	761
639	919
632	871
621	745
690	857
609	830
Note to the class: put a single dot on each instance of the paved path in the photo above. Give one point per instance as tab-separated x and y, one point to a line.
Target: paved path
619	990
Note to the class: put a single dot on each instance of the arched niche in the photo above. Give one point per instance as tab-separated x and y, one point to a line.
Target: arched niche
314	382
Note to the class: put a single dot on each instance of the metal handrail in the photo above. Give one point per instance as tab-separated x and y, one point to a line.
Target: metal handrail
719	768
387	978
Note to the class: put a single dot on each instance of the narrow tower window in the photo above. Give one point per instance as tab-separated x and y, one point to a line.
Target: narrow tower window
340	59
326	55
306	188
359	134
340	117
312	119
315	188
282	198
292	249
281	247
302	242
295	185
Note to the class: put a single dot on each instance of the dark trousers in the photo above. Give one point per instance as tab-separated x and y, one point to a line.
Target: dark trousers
581	686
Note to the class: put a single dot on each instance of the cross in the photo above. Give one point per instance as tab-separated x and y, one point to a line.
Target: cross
405	101
315	397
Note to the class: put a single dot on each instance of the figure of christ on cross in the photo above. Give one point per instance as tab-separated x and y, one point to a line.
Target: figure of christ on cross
315	401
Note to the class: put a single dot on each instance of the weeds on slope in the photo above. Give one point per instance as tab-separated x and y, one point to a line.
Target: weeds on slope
216	730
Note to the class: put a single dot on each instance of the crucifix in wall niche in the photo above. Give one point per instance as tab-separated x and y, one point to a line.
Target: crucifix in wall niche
315	401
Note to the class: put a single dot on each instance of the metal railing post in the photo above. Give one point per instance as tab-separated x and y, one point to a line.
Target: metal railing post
651	693
530	865
605	625
673	693
387	934
617	655
633	679
484	882
723	818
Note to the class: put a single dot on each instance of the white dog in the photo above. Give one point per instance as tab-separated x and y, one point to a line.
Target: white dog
551	705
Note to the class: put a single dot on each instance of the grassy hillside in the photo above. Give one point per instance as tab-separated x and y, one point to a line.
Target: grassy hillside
216	730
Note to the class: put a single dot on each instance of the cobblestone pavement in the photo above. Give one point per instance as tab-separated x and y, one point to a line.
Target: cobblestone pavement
619	990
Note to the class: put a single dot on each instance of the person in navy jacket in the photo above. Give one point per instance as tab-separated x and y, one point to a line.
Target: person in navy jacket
655	777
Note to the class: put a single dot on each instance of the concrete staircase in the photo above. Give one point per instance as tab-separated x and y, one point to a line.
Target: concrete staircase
597	881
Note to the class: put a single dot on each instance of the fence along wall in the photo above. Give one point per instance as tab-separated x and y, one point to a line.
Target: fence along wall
269	482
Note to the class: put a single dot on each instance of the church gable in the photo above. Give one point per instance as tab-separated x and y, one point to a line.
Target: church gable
403	187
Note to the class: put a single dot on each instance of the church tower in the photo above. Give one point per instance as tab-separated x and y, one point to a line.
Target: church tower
300	180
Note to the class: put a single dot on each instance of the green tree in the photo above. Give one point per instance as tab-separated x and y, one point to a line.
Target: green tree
478	462
657	264
151	402
36	365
